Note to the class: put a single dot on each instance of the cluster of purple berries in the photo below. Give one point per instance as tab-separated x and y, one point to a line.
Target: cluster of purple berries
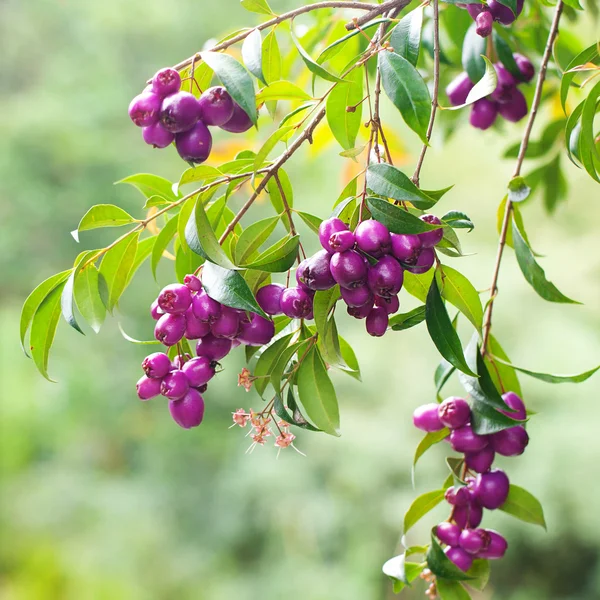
485	14
506	100
486	488
186	311
167	114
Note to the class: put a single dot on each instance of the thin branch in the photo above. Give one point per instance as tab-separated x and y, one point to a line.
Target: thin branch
286	206
522	151
375	12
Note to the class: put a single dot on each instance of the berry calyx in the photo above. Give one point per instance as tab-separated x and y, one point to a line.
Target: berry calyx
175	298
429	239
165	82
454	412
315	273
496	548
386	277
406	248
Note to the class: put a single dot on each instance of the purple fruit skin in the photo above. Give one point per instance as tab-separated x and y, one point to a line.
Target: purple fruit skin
476	9
454	412
360	312
468	515
463	560
424	262
429	239
458	497
205	308
165	82
464	439
170	329
175	298
458	89
156	365
515	108
269	298
189	411
193	283
391	304
358	296
148	388
406	248
227	325
342	241
216	106
257	332
518	406
195	144
505	86
179	112
213	347
426	418
157	136
329	227
483	114
474	540
373	238
156	311
348	269
448	533
386	277
525	66
239	121
481	461
144	109
511	441
314	272
484	23
503	14
491	489
180	360
496	547
175	385
199	370
377	321
196	328
296	303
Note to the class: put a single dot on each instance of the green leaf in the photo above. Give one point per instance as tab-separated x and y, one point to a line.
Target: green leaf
236	80
524	506
396	219
474	48
441	376
317	393
252	54
200	173
459	291
151	185
293	419
144	249
257	6
229	288
253	237
428	441
284	359
588	55
267	361
406	36
311	220
163	239
518	190
421	506
418	285
351	367
277	259
441	331
133	340
268	146
386	180
282	90
313	66
103	215
87	297
588	153
275	194
403	572
440	565
549	378
405	87
458	220
66	300
407	320
344	123
483	88
505	54
504	376
271	58
480	571
533	273
323	302
451	590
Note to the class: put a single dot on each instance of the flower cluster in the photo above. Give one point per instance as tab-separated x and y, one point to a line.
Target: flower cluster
261	428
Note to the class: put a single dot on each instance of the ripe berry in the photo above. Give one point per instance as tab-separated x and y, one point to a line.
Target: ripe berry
180	360
216	106
468	515
170	329
205	308
377	321
269	297
464	439
505	86
147	388
348	269
406	248
429	239
175	298
314	272
511	441
227	325
213	347
474	540
491	489
463	560
458	89
239	121
503	14
165	82
458	496
358	296
175	385
144	109
391	304
481	461
386	277
525	66
195	328
448	533
454	412
518	406
328	228
199	370
156	311
156	365
258	331
496	547
515	107
342	241
476	9
360	312
424	262
484	23
194	145
189	411
179	112
296	303
156	135
193	282
373	238
426	418
483	113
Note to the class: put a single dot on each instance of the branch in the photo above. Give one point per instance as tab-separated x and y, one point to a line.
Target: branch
522	151
375	12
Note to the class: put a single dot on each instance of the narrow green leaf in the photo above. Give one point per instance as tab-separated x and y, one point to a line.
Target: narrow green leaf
311	220
460	292
282	90
293	419
351	367
257	6
286	355
386	180
253	237
407	320
549	378
163	239
483	88
440	565
418	285
87	297
403	572
271	142
480	572
200	173
277	259
524	506
344	109
506	56
313	66
474	48
421	506
151	185
271	58
588	55
451	590
396	219
505	377
267	361
103	215
406	36
66	300
458	220
252	55
430	440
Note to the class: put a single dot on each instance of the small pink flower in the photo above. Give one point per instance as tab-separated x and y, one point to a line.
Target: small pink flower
245	379
259	439
285	439
240	417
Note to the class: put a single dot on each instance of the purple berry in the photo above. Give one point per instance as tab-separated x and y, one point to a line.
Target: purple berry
165	82
170	329
213	347
193	283
476	9
196	328
386	277
448	533
156	135
239	121
424	262
194	145
458	496
515	107
189	411
205	308
180	360
406	248
227	325
491	489
179	112
481	461
156	365
474	540
148	388
463	560
427	419
484	23
464	439
175	385
314	272
342	241
391	304
525	66
518	406
216	106
458	89
505	86
468	515
156	311
257	332
496	548
144	109
360	312
483	113
429	239
358	296
328	228
348	269
269	298
199	370
377	321
454	412
503	14
175	298
373	238
511	441
296	303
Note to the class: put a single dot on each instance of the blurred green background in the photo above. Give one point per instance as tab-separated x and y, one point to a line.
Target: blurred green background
105	497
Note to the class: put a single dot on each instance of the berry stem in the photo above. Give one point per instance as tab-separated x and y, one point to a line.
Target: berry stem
517	172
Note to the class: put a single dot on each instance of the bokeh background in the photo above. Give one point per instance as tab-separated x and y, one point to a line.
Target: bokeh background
105	498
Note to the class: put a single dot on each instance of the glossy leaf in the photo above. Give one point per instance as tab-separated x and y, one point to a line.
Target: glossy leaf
407	320
458	220
505	377
335	47
151	185
253	237
257	6
200	173
277	259
588	55
549	378
396	219
588	152
418	285
480	573
524	506
506	55
282	90
483	88
300	348
293	419
441	565
430	440
164	238
441	376
474	48
87	297
271	58
312	65
351	366
103	215
421	506
252	54
406	36
311	220
267	361
386	180
345	124
67	305
518	190
459	291
451	590
269	145
401	571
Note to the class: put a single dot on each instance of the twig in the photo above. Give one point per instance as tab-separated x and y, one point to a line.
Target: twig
375	12
286	206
